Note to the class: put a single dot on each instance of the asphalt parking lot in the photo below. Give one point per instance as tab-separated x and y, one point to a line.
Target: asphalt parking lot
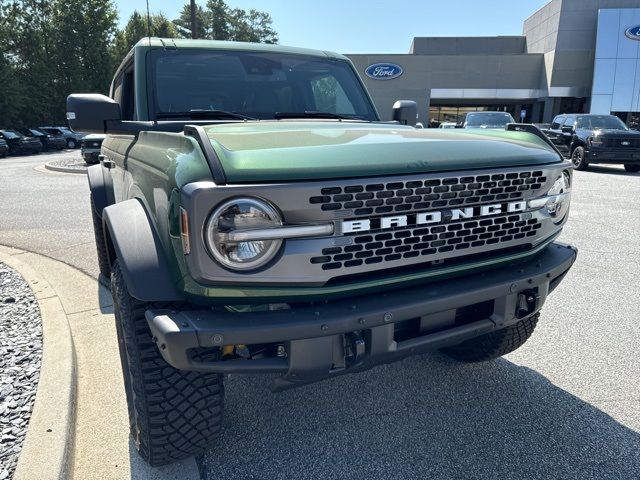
565	405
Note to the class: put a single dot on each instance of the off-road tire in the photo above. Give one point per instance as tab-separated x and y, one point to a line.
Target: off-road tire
578	158
631	168
101	244
173	414
495	344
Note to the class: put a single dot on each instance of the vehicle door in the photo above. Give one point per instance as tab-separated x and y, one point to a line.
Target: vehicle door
555	129
567	133
115	148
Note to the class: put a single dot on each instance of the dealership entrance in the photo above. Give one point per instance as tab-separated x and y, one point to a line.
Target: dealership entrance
443	111
574	56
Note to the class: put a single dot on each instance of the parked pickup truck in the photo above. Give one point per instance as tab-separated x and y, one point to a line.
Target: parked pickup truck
254	215
596	139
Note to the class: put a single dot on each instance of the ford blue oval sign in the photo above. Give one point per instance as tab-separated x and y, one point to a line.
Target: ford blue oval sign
633	33
383	71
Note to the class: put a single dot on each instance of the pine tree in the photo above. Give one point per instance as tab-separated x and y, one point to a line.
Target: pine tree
217	21
136	28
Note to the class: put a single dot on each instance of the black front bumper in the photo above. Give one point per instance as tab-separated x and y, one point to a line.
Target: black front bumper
609	155
90	154
338	337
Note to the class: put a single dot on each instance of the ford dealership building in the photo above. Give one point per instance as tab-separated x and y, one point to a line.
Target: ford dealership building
573	56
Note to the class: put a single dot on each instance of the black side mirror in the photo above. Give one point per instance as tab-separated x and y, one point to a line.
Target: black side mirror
405	112
90	112
567	129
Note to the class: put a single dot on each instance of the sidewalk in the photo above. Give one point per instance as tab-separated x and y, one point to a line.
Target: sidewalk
98	444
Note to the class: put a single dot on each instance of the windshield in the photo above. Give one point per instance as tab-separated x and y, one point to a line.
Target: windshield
256	85
11	134
597	122
488	119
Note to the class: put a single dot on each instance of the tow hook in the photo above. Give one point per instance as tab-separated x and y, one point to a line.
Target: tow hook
528	303
355	348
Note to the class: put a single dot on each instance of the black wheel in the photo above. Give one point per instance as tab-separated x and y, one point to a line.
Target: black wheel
71	143
495	344
632	168
578	157
173	414
101	244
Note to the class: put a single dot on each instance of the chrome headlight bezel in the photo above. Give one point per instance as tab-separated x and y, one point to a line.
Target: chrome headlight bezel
224	250
557	200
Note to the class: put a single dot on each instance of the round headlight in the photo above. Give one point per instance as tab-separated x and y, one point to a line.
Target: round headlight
242	214
559	197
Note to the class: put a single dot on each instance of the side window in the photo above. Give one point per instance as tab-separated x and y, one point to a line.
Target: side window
128	103
570	121
117	89
330	97
557	122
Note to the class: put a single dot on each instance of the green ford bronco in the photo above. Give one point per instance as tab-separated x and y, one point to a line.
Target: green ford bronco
255	215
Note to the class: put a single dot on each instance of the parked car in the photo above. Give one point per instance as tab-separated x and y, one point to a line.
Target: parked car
48	140
587	138
317	243
90	147
490	120
72	138
19	143
4	147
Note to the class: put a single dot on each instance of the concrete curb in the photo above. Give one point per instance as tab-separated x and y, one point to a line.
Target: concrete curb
79	426
55	168
50	432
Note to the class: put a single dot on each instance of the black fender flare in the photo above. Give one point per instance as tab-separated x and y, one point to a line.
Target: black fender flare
132	239
98	188
576	142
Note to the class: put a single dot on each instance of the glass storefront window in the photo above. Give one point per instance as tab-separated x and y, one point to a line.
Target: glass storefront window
453	113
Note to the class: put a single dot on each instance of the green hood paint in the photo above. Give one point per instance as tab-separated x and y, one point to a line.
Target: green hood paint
310	150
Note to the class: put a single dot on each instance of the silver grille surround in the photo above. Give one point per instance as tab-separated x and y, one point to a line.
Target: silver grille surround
298	263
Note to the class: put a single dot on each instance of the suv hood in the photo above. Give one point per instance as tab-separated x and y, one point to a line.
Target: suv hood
610	133
309	150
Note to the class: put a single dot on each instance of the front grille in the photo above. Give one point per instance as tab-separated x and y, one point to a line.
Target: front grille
377	246
412	244
416	195
618	143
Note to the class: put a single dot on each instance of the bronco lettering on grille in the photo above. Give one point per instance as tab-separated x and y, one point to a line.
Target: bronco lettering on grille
429	218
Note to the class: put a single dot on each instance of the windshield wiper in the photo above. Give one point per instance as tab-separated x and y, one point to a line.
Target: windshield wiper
202	113
312	114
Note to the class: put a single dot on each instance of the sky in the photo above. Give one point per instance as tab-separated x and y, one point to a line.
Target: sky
370	26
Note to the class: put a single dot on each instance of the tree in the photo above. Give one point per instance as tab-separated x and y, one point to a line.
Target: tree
136	28
13	97
83	32
217	21
51	48
252	26
184	22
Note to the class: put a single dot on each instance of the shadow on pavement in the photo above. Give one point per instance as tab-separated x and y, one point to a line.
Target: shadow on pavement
611	170
105	300
426	417
140	470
